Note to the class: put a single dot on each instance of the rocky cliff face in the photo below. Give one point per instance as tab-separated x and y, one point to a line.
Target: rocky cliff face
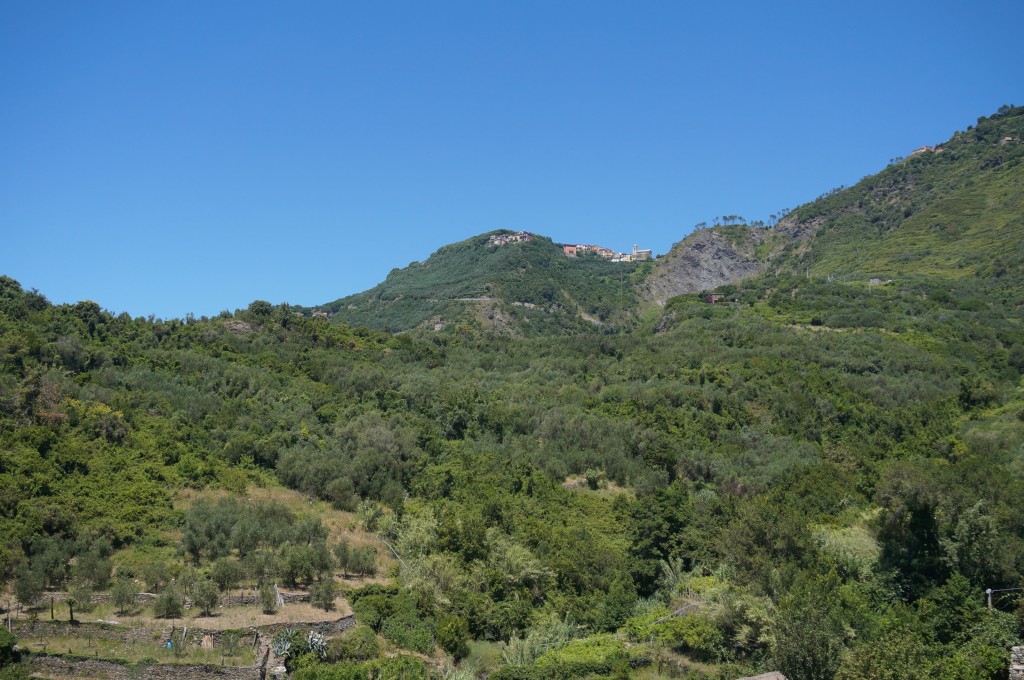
717	256
707	259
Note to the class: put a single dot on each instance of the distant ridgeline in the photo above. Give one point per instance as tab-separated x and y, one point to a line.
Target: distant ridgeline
954	211
483	282
939	212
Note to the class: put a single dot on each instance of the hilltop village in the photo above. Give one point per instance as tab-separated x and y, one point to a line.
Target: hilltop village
574	250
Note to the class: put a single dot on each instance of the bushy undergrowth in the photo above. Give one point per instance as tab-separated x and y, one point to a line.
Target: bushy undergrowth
822	477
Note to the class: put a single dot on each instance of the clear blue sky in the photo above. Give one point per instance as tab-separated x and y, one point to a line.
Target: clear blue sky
168	157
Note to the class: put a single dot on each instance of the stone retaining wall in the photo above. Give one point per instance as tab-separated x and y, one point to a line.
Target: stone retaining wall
325	627
262	665
57	666
62	667
120	633
339	626
253	598
1017	663
127	634
104	631
59	598
240	599
71	667
227	600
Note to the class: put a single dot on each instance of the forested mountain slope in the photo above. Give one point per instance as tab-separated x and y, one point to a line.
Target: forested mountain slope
821	476
521	288
943	211
874	439
954	210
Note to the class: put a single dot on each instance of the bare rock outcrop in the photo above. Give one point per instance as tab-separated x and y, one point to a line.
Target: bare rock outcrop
706	259
717	256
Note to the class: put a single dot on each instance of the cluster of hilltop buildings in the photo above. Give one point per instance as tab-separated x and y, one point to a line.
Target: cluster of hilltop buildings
505	239
637	255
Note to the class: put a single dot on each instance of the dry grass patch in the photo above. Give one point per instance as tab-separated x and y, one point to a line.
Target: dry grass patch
606	488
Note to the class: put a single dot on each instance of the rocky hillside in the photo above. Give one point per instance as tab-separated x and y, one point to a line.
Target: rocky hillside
709	258
954	210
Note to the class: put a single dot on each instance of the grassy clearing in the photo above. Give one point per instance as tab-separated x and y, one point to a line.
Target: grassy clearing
668	664
949	235
484	656
855	544
606	488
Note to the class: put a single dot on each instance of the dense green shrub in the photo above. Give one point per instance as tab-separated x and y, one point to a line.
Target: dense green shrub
409	632
453	635
518	673
397	667
227	573
268	597
205	595
7	643
323	593
124	594
597	655
692	634
358	643
169	604
334	671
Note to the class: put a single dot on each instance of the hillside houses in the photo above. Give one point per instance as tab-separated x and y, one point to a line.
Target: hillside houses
505	239
575	250
638	255
584	249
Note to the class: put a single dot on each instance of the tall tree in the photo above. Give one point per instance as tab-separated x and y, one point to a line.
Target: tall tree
810	633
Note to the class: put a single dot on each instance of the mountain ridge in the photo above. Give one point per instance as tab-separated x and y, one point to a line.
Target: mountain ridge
937	212
526	287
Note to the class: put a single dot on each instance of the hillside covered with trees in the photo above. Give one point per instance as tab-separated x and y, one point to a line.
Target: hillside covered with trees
938	213
527	288
821	475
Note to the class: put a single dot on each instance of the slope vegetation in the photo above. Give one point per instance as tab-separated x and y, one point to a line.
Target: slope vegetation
820	477
953	211
526	288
